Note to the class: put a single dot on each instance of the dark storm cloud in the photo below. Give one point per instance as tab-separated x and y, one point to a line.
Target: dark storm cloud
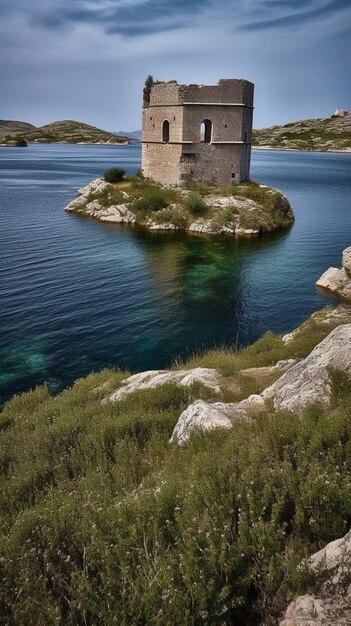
303	12
139	17
117	16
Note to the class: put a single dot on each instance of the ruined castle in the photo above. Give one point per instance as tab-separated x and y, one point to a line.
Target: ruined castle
198	132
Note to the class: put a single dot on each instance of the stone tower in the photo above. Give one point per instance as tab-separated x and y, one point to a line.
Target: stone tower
201	132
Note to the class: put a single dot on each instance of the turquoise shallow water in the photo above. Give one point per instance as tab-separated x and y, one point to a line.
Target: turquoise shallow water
77	295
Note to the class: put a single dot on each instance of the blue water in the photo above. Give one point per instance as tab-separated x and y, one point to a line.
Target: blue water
77	295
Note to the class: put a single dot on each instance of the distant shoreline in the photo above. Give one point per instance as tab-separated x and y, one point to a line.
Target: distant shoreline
68	143
346	151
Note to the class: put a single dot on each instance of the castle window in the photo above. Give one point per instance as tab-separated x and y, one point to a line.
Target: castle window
165	131
206	131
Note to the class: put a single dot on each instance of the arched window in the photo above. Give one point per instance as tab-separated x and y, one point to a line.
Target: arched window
206	131
165	131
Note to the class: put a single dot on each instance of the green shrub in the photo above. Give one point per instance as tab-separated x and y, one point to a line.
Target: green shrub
154	199
176	216
195	203
149	81
21	142
114	175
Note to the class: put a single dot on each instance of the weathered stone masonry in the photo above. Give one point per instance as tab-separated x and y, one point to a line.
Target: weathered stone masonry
201	132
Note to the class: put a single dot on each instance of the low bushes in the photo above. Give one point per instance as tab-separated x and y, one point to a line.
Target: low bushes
154	199
114	175
21	142
194	203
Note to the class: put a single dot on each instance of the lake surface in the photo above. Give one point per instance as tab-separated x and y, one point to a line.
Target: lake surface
77	295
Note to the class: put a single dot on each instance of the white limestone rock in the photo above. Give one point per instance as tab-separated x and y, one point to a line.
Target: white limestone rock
307	382
76	204
331	606
246	232
96	185
210	378
118	214
207	416
290	336
165	226
93	208
346	258
201	226
336	280
199	416
308	610
223	202
280	366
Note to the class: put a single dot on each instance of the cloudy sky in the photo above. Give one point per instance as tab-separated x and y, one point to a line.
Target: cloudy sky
88	59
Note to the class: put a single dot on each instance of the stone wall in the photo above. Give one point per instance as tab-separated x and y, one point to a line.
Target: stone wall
161	162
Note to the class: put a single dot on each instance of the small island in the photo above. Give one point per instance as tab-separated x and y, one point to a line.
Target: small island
16	133
243	209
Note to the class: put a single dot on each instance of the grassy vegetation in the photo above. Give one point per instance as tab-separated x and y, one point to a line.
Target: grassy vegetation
104	522
153	200
194	203
175	215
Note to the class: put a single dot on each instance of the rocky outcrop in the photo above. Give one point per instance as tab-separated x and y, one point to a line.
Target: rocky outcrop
207	377
331	603
304	383
119	214
336	280
84	204
307	382
301	384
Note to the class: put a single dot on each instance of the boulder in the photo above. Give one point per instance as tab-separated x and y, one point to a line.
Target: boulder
204	416
307	382
93	208
246	232
346	259
76	204
331	604
223	202
118	214
163	226
336	280
154	378
199	416
98	184
201	226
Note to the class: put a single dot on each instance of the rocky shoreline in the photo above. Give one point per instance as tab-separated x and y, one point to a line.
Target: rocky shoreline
228	213
338	281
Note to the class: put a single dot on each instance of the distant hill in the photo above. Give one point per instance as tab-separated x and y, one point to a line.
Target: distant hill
132	134
65	131
325	134
14	126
